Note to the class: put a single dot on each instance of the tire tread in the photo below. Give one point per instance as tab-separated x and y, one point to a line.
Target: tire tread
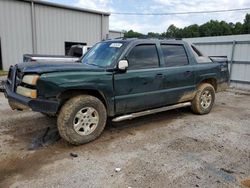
196	101
66	113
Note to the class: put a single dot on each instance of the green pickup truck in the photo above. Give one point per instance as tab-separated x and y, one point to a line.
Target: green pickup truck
119	80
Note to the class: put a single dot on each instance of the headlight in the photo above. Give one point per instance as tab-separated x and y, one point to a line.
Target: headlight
30	79
32	93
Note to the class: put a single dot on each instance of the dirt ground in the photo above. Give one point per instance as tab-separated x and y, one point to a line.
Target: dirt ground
170	149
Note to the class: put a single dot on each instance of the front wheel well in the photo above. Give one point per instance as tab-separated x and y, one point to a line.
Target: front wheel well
211	81
68	94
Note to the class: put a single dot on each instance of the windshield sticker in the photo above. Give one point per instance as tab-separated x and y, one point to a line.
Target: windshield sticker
115	45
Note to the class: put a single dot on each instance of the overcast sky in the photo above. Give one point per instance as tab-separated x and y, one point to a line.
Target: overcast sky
146	24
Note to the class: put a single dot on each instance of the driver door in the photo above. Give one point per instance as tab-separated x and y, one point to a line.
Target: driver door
138	88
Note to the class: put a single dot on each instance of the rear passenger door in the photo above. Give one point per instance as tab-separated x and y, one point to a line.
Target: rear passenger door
138	88
178	71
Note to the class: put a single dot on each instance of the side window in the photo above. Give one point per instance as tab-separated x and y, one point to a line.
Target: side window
143	56
174	55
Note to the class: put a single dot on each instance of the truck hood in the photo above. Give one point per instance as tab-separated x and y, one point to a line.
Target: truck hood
43	67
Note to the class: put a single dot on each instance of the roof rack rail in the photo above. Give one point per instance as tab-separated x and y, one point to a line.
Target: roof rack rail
160	38
145	37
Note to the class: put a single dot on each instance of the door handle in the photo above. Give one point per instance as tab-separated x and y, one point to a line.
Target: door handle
159	75
187	73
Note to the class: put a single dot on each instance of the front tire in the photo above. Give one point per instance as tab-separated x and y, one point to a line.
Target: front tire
204	99
81	119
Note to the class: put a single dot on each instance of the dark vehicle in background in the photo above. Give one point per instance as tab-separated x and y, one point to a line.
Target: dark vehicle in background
120	80
78	50
74	54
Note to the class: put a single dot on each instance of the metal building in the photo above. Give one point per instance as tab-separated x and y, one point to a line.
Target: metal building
115	34
237	50
32	26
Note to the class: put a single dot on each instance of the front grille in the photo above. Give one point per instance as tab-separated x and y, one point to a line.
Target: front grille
19	76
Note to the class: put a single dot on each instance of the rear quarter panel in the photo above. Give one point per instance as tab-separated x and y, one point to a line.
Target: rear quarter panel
214	70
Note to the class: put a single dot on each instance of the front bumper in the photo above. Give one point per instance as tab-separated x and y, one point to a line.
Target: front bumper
19	102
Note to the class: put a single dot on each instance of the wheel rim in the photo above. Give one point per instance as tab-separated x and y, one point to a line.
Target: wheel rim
86	121
206	99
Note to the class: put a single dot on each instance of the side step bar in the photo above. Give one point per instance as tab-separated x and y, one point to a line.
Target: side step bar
153	111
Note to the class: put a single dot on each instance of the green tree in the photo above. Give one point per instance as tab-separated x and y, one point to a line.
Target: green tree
210	28
237	28
246	25
172	31
153	35
205	30
215	28
191	31
225	28
132	34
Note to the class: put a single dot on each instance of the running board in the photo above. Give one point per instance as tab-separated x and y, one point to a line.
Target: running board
153	111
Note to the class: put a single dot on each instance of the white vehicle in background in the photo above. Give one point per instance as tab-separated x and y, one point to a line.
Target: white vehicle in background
74	54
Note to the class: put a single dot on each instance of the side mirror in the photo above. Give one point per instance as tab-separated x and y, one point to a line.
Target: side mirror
122	65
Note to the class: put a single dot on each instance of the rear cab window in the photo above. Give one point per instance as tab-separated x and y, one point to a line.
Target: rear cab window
174	55
199	56
143	56
196	51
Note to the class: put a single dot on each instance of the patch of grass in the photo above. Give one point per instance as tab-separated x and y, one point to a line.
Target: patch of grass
3	73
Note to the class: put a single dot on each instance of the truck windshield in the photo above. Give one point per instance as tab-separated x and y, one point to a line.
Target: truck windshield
103	54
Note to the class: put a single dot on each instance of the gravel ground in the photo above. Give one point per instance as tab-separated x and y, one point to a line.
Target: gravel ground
170	149
2	78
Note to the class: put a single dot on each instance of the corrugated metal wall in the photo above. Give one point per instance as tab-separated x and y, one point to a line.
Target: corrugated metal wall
236	48
15	31
53	27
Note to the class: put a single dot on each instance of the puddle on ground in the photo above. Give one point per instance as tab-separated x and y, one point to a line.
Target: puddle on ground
45	138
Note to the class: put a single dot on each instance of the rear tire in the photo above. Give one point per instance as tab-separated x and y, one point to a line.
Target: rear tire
81	119
204	99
